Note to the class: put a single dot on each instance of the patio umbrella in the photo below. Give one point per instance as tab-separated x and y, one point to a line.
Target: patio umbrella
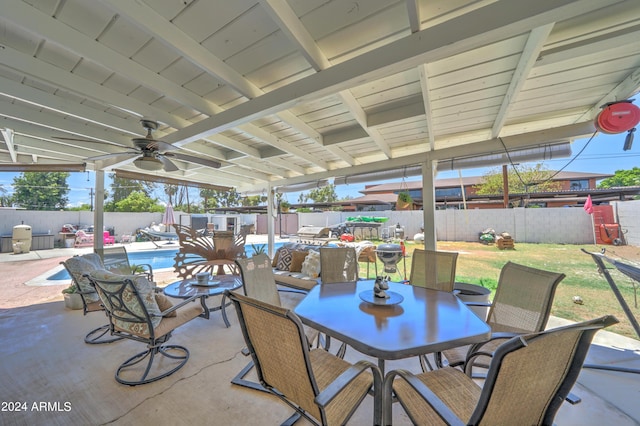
167	217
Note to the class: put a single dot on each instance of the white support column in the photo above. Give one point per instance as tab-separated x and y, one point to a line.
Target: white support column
429	204
98	212
271	213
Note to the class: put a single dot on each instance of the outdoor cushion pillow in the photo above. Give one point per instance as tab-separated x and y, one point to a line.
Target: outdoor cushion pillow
80	265
164	303
284	259
311	264
297	257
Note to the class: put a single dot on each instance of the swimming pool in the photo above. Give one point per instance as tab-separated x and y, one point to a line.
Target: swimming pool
158	259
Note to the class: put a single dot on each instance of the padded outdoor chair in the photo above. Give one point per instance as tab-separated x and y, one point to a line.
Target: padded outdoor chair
116	260
83	239
433	269
77	267
318	385
528	380
521	305
108	239
338	265
259	283
138	313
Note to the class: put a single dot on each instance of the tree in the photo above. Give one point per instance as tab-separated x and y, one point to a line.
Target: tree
622	178
138	201
326	194
534	179
41	190
121	188
5	200
214	198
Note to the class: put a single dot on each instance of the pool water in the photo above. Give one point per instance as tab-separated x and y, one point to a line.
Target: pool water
158	259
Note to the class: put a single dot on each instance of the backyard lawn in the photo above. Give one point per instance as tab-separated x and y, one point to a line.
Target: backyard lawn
481	264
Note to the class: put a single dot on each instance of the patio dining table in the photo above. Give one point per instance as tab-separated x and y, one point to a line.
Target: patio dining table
417	321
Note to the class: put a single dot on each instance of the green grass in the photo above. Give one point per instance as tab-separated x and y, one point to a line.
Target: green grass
481	264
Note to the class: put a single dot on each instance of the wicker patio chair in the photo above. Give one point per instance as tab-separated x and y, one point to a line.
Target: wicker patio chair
522	304
259	283
529	378
318	385
138	313
338	265
433	269
77	267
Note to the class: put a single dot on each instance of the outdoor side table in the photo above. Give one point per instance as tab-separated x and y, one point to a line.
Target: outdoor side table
186	288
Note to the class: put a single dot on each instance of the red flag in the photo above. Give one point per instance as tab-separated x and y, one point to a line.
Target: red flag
588	205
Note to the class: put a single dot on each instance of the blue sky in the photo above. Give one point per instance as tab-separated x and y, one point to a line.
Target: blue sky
604	154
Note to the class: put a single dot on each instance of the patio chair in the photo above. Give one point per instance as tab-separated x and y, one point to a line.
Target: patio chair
528	380
338	265
107	238
116	260
259	283
77	267
321	387
83	239
433	269
368	256
137	313
522	304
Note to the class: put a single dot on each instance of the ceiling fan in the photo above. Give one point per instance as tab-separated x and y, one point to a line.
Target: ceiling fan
152	153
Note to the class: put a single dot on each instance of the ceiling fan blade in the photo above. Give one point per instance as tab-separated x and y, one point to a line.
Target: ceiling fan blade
202	161
168	165
163	146
112	155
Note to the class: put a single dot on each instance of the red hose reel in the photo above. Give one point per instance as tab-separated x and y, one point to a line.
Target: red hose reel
619	117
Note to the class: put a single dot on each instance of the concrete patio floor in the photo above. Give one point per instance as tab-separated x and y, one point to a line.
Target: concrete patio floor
45	360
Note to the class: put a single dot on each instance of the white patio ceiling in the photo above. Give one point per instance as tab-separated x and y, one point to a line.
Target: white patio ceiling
291	91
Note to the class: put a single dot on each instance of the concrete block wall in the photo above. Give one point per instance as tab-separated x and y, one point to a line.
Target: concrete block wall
628	213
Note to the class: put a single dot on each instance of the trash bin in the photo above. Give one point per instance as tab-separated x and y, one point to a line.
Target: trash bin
473	293
21	239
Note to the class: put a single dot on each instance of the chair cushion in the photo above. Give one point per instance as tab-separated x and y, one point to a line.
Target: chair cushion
284	259
80	265
297	257
145	289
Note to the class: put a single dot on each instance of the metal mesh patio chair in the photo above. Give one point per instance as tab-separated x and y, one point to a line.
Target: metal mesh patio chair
338	265
116	260
138	313
318	385
433	269
528	380
522	304
259	283
77	267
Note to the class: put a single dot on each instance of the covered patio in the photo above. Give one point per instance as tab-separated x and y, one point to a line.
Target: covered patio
45	360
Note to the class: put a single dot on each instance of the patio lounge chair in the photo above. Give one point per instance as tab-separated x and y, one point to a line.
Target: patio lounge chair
318	385
528	380
259	283
522	304
83	239
77	267
138	313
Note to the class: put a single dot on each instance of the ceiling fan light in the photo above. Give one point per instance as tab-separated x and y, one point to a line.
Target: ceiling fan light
148	163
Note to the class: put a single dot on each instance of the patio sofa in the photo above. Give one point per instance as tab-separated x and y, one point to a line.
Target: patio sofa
298	271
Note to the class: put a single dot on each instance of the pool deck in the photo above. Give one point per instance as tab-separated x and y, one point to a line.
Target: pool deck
54	365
